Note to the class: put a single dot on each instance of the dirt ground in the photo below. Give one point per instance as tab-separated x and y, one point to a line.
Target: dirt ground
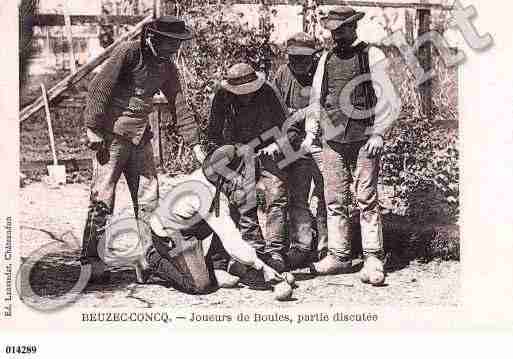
56	217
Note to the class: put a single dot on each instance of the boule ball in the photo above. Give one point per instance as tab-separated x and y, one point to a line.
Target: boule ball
377	278
289	277
282	291
364	276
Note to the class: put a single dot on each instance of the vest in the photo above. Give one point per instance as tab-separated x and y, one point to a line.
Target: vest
296	95
338	73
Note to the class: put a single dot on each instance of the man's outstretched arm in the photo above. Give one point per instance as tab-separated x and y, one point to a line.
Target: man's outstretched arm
231	237
233	243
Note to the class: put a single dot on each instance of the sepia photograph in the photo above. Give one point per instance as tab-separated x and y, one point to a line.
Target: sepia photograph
217	155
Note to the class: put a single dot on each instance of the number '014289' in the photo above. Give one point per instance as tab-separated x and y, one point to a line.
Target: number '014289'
20	349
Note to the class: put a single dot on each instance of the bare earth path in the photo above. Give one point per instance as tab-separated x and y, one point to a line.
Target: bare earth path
58	215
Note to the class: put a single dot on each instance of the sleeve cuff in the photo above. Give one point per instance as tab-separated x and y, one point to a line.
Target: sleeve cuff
258	265
310	135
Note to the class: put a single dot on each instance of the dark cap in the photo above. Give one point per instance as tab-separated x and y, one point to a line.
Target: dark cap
170	27
301	44
339	16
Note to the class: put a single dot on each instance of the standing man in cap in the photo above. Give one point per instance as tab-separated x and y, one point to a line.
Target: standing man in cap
352	147
294	83
116	117
188	215
244	108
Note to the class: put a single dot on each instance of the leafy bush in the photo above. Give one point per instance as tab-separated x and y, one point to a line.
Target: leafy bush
420	162
223	38
421	154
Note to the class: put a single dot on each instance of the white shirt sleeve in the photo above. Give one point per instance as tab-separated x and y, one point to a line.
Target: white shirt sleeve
228	232
375	55
385	92
229	235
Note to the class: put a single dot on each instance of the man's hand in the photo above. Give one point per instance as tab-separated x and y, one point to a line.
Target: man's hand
95	139
270	275
307	143
374	145
198	153
271	150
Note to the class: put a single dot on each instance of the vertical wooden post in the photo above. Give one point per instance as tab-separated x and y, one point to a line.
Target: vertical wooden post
48	47
305	16
159	122
409	25
61	43
69	34
424	56
157	8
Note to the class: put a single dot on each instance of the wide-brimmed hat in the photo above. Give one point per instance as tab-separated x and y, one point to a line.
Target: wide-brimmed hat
170	27
339	16
301	44
242	79
222	163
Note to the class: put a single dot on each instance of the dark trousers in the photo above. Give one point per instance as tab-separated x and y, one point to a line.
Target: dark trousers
285	190
189	271
269	179
300	175
273	182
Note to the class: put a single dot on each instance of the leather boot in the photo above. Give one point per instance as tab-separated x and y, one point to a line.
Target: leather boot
142	266
331	265
225	279
297	258
276	262
236	268
99	272
94	229
248	276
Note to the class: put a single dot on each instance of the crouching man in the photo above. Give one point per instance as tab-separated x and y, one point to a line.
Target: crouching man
190	214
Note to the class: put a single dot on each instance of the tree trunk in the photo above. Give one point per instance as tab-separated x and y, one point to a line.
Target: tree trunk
424	56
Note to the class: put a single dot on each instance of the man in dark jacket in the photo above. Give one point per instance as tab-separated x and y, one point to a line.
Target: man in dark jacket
294	82
116	117
244	111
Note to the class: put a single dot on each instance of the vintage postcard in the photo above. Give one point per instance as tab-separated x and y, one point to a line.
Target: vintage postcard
259	164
